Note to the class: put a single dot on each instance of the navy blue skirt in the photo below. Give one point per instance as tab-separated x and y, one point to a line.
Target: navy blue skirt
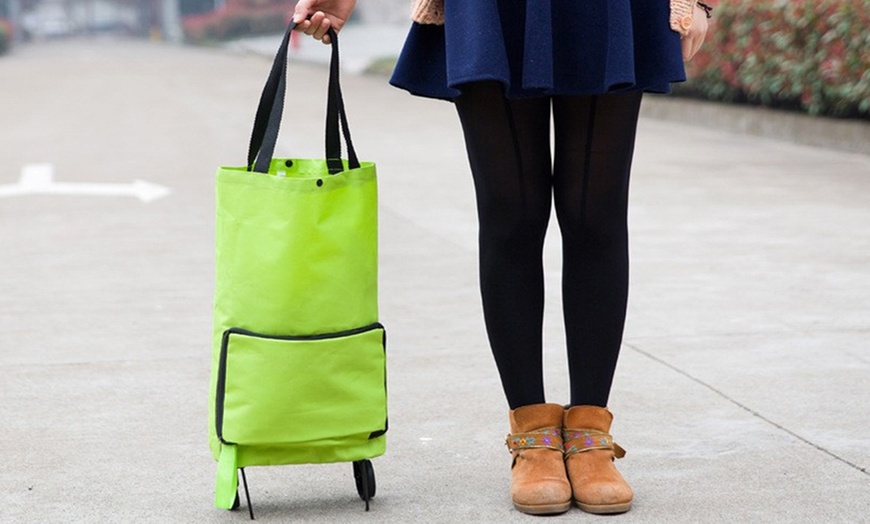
543	48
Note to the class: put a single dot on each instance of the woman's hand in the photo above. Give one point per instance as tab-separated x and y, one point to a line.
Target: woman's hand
692	41
325	14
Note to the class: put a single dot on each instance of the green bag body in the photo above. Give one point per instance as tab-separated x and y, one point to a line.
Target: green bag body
299	358
296	248
298	371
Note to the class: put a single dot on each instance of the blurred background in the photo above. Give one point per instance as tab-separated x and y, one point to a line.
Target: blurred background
809	56
173	20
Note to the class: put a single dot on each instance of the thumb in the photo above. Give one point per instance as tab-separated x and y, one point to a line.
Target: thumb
303	7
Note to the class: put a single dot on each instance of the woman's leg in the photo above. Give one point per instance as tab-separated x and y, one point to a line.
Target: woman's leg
508	144
594	147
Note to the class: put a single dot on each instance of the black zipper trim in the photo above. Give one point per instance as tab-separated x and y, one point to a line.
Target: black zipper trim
320	336
381	432
222	365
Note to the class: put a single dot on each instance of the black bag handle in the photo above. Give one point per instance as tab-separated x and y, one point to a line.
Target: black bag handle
267	123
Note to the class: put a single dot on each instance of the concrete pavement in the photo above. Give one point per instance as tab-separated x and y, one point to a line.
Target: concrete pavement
742	390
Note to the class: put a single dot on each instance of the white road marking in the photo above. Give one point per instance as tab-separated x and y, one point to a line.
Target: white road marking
38	179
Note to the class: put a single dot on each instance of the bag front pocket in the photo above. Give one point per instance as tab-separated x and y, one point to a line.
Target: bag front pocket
295	389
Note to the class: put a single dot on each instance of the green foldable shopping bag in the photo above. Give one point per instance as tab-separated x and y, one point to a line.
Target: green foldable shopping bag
299	357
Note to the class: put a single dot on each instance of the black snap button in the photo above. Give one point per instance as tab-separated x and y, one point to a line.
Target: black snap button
288	163
319	182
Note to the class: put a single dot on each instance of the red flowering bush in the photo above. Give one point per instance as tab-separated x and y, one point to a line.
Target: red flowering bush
5	35
812	55
237	19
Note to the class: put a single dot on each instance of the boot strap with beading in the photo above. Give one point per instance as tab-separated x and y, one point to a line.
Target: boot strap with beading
544	438
580	440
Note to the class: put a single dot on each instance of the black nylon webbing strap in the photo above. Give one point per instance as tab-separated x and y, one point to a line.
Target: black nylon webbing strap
272	96
353	161
334	112
333	141
267	123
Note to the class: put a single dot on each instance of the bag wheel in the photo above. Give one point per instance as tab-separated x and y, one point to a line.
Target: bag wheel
236	503
364	474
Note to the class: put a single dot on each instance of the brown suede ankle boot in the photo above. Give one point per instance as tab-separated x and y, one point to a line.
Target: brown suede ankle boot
589	454
539	485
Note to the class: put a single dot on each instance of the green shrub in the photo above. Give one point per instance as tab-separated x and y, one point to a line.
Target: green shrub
812	55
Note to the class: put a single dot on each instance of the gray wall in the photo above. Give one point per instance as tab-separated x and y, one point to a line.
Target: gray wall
384	11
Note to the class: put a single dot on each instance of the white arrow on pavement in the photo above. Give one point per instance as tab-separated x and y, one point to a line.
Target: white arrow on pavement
38	179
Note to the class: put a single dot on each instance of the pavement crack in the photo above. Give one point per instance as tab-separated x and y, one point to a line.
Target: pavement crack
748	409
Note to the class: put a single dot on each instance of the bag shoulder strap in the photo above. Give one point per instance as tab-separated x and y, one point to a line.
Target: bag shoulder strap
267	122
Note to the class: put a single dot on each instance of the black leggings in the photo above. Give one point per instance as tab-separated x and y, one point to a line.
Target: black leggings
508	143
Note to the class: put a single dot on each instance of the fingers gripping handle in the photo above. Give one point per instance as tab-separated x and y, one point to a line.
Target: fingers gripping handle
267	123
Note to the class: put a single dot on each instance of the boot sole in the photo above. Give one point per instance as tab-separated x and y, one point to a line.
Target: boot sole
604	509
543	509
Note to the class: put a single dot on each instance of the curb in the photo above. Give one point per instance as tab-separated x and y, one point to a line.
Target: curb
851	136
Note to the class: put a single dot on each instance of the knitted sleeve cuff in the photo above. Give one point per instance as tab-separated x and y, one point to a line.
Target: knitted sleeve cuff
428	12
